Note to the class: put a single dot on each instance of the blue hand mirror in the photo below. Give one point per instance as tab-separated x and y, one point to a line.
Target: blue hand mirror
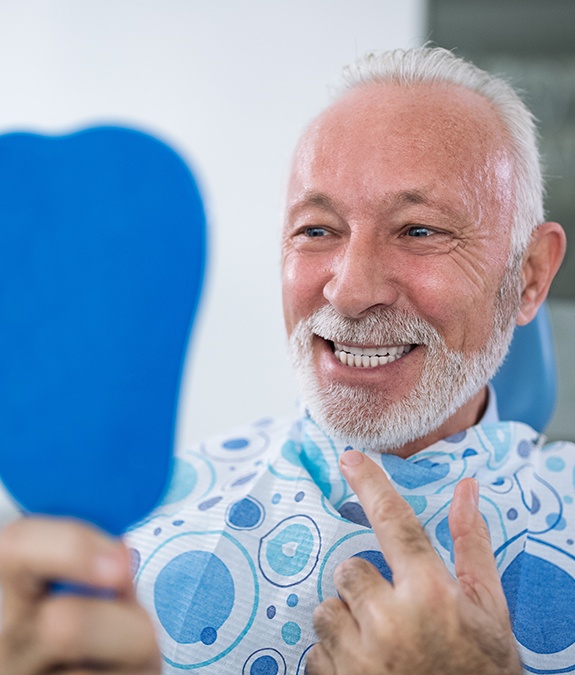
102	254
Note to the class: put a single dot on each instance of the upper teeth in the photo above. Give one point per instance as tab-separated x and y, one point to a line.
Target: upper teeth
369	357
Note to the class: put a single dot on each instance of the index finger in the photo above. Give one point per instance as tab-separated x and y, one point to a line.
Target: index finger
403	541
36	551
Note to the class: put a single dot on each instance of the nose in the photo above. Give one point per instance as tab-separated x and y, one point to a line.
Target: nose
361	278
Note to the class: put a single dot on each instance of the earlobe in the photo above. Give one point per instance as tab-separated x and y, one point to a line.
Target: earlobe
541	262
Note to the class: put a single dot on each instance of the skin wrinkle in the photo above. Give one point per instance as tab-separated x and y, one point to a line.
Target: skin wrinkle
515	167
481	180
368	166
386	206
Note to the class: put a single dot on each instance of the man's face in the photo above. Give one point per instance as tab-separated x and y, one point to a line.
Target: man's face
397	235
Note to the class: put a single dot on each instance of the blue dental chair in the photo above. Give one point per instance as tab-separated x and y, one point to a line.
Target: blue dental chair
526	384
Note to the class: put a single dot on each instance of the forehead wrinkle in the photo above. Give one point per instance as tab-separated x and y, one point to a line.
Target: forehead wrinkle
425	197
418	118
312	198
385	203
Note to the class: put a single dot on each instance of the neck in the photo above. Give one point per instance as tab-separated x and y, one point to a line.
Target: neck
467	416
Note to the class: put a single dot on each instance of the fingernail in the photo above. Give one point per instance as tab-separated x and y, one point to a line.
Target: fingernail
351	458
474	493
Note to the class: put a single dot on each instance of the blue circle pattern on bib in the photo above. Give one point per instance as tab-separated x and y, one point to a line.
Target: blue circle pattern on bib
289	552
199	593
265	662
284	534
205	578
245	514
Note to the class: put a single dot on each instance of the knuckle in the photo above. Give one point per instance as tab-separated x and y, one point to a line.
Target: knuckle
75	540
345	573
11	539
144	653
325	615
438	593
411	535
482	533
148	646
16	561
352	573
60	629
391	508
16	643
415	542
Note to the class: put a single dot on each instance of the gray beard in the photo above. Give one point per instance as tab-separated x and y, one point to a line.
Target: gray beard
449	379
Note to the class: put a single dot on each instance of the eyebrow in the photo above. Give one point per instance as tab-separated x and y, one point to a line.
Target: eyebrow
314	199
321	200
410	197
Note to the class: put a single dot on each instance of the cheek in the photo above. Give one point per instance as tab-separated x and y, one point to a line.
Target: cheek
430	288
302	291
458	309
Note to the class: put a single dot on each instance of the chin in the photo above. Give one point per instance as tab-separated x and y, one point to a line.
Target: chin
361	415
355	416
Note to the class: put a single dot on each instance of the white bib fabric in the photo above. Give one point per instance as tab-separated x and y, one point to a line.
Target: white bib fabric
243	549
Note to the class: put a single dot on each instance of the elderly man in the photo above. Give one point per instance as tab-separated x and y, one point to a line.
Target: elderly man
414	242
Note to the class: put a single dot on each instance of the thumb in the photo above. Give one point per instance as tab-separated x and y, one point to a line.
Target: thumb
475	565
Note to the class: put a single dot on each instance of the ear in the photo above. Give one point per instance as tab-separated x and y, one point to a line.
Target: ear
541	262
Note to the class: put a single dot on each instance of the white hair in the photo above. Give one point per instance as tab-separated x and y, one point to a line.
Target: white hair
408	67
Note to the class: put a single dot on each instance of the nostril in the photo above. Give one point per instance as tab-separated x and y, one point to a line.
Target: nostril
353	301
360	278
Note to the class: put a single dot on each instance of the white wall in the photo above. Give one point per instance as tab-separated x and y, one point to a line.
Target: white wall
230	84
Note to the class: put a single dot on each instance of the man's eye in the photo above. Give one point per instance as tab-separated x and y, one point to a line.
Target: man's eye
315	232
419	231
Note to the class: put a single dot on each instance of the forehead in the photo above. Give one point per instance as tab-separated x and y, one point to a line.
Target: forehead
384	138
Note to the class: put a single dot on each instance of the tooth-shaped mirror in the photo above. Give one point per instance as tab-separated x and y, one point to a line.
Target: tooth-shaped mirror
102	254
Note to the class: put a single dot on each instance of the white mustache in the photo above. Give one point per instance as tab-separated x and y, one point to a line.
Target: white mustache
379	326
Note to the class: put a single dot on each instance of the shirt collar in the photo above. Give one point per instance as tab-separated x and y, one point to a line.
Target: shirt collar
444	463
491	414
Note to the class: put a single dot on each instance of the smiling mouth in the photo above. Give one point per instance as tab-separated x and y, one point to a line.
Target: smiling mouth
369	357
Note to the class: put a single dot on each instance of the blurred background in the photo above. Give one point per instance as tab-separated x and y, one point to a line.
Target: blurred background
230	85
532	43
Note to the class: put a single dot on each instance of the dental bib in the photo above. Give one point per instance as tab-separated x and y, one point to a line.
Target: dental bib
244	547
